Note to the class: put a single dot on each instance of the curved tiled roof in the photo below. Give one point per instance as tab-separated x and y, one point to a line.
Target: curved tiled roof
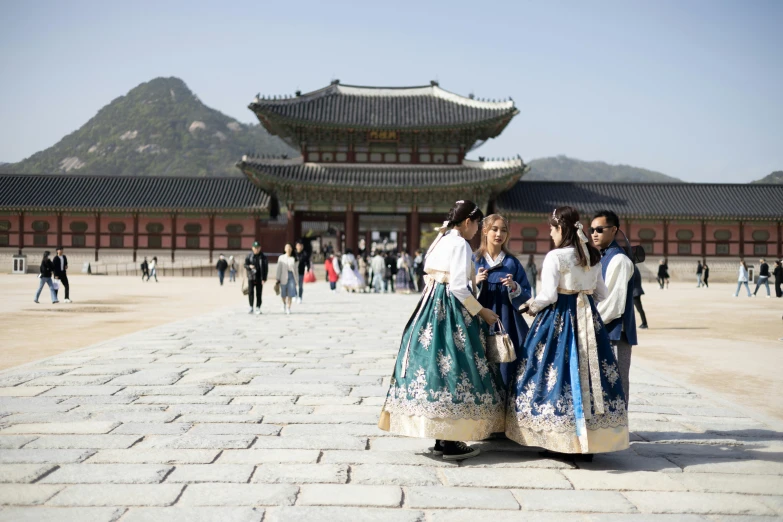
50	192
383	108
362	175
654	200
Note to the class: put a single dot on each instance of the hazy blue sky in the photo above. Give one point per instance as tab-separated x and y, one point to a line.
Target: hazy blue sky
689	88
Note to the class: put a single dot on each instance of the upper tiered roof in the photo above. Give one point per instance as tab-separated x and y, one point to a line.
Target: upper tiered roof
397	108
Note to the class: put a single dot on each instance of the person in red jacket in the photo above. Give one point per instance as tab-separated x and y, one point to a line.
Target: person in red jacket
331	272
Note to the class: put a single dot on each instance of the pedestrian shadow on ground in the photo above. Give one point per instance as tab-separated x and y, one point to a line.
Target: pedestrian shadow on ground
749	451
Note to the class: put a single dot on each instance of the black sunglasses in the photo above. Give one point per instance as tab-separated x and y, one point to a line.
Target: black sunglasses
600	230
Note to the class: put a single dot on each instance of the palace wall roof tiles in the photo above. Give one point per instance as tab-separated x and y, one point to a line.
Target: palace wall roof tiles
655	200
26	191
384	107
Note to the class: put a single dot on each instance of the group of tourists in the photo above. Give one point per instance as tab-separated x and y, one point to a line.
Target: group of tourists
293	268
54	272
380	271
763	278
470	368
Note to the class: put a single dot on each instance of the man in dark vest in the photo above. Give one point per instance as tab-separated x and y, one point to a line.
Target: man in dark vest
617	309
257	267
60	263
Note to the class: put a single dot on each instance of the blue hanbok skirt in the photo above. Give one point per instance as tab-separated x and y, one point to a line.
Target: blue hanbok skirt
495	297
568	396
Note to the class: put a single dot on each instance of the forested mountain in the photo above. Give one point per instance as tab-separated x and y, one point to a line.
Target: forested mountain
562	168
775	177
159	128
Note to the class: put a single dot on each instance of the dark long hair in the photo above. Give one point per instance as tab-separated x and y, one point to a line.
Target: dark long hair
567	218
46	255
462	210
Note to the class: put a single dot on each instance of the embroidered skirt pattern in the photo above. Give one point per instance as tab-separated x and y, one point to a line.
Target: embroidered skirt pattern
568	396
442	386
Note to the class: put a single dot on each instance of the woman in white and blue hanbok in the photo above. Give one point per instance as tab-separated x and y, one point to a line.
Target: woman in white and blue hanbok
568	397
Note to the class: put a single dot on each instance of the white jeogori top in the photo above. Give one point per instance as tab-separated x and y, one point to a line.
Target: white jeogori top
561	270
452	256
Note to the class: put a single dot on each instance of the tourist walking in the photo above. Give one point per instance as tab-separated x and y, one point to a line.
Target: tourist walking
221	267
145	269
503	287
302	267
705	278
364	268
531	271
638	292
350	278
617	309
153	271
418	271
663	274
331	273
232	270
390	274
568	396
256	271
286	268
442	386
378	269
778	273
60	263
45	272
762	280
403	278
699	270
742	278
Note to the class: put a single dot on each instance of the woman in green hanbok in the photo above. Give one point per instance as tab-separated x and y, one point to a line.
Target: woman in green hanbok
443	387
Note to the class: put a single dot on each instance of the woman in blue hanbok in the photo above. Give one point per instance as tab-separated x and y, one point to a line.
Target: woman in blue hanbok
568	397
503	286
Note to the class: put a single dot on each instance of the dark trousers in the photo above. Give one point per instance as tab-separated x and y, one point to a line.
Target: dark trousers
706	282
637	302
64	283
778	289
221	275
259	286
301	284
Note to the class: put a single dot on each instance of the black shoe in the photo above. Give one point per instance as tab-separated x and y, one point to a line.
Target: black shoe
643	327
458	450
437	449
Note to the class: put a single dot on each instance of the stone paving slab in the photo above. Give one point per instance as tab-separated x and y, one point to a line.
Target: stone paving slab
231	416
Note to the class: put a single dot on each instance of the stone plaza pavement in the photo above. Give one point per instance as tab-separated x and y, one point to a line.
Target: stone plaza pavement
236	417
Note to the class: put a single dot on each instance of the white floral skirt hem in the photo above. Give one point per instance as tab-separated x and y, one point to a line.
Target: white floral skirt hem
440	428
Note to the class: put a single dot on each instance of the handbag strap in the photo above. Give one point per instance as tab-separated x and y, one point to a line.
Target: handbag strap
499	326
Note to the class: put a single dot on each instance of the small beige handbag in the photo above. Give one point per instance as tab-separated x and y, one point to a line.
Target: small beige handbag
499	346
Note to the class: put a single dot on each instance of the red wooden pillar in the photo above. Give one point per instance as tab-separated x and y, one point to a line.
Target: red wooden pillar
339	240
415	233
173	235
351	238
703	239
290	230
135	235
21	232
742	239
211	235
368	242
59	230
97	234
666	239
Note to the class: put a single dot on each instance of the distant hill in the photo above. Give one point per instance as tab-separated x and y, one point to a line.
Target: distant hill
775	177
562	168
159	128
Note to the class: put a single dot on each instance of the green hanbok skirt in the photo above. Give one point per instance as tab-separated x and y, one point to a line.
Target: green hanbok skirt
443	387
